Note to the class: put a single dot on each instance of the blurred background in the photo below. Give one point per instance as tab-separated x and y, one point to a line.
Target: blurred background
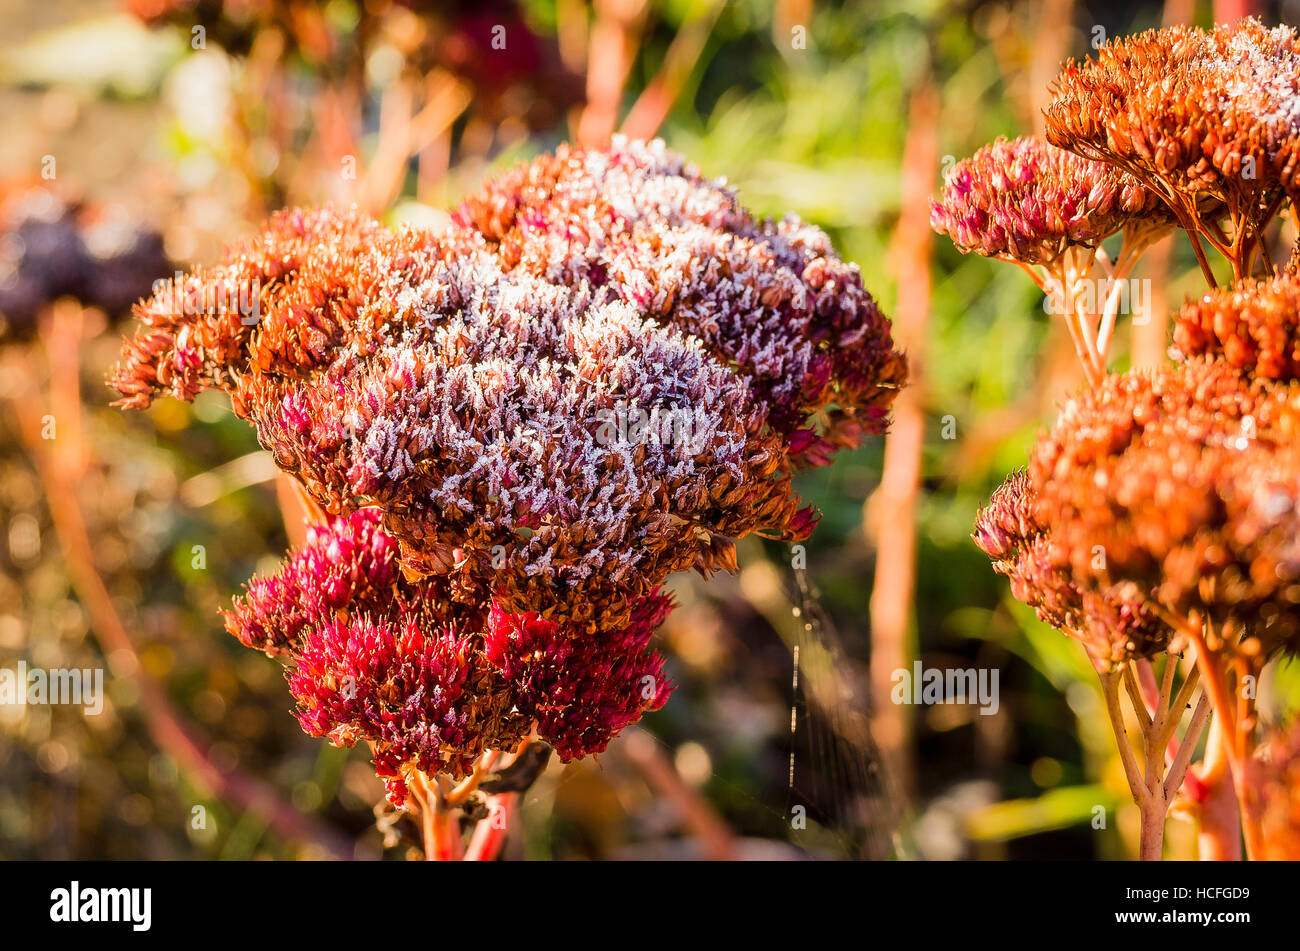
140	138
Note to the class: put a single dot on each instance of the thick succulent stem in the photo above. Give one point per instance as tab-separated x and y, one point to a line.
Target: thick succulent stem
1151	844
489	835
440	823
1218	836
1236	740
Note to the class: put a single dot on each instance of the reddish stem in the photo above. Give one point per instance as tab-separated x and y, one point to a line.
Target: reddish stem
490	833
891	510
1218	837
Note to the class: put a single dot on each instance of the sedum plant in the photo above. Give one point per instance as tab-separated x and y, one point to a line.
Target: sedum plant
1157	522
511	432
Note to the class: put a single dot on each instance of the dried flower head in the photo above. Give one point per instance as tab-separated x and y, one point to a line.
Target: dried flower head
52	246
1251	325
1114	629
773	299
1181	486
1026	201
599	376
431	683
1208	119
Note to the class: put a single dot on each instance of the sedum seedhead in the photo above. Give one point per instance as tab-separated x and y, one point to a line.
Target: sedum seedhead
429	682
1250	325
1208	115
1186	482
1113	628
1028	201
600	374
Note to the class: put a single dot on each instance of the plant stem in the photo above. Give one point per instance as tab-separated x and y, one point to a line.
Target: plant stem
490	833
1151	842
1189	225
892	508
1186	749
1110	690
1235	739
1138	700
1218	837
440	825
1147	786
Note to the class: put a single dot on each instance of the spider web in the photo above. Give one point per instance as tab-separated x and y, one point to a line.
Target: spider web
835	769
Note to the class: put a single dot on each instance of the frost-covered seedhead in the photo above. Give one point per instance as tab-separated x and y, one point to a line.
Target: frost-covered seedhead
1212	115
1182	486
1028	201
770	299
558	403
1252	325
431	683
1113	628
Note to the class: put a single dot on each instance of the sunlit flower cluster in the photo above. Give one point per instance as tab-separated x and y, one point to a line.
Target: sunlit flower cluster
1207	119
428	682
1161	513
1169	492
1114	629
1252	325
1186	481
1185	106
467	404
1027	201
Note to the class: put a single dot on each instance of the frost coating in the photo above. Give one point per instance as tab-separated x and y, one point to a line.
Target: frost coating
463	381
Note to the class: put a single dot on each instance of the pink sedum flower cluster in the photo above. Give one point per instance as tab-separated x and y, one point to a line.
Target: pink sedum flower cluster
432	683
1028	201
